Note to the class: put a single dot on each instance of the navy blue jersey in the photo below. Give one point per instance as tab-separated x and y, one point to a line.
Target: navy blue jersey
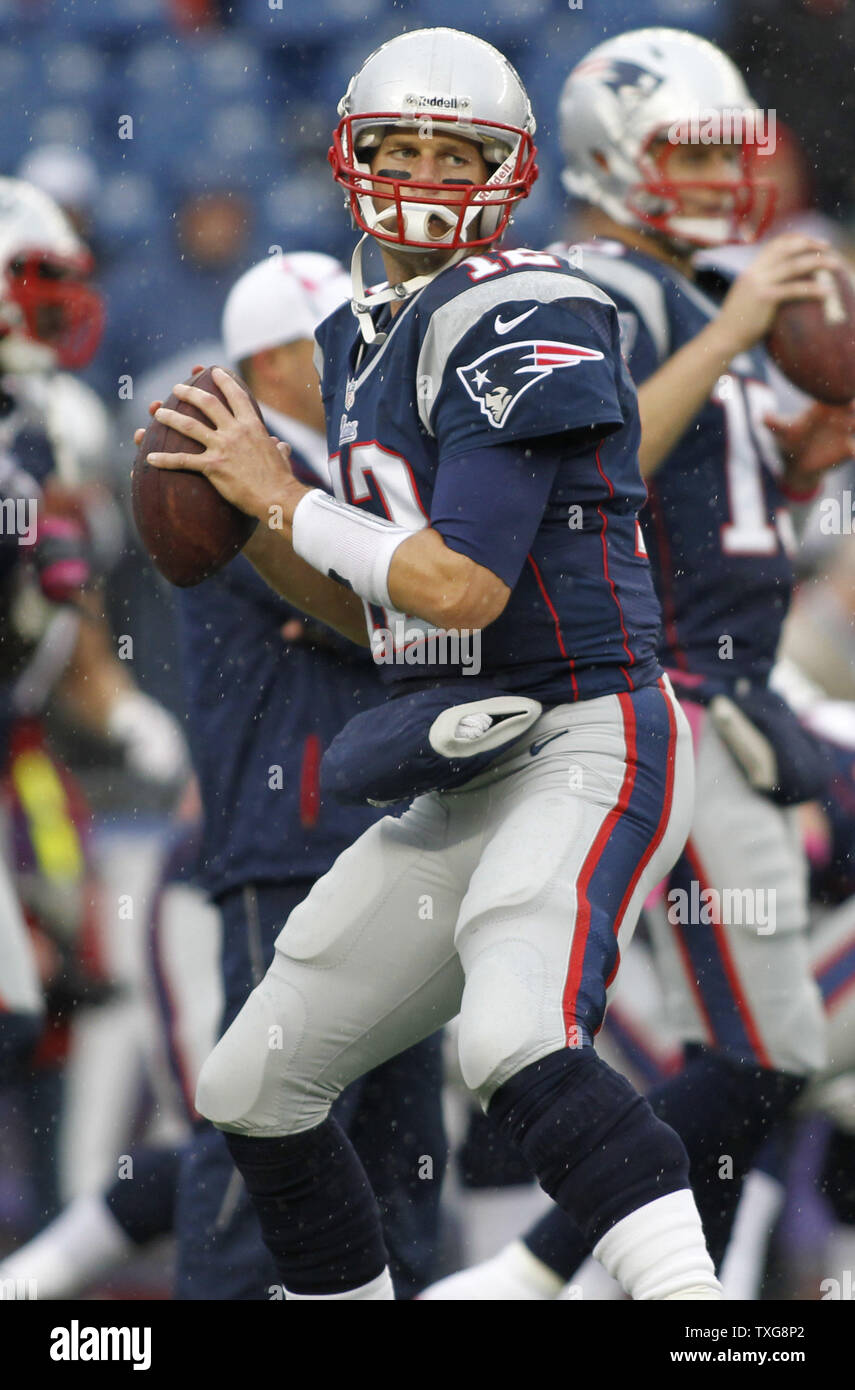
499	411
716	526
261	712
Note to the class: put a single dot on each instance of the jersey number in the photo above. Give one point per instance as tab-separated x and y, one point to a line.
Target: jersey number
393	479
479	267
396	488
748	445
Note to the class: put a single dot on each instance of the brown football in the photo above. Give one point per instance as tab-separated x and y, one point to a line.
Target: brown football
188	529
813	340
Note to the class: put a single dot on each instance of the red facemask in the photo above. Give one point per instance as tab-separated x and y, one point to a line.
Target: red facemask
747	203
515	185
59	310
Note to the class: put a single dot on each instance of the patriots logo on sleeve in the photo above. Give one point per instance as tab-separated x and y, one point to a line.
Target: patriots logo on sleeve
500	377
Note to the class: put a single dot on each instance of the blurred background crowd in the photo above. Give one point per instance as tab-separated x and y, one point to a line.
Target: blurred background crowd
186	140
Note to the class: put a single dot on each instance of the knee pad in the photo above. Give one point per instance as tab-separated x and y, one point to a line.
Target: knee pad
596	1146
250	1083
501	1027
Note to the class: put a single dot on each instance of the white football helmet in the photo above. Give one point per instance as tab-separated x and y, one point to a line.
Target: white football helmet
446	81
626	106
49	316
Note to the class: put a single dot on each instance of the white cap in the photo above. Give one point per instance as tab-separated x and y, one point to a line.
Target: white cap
281	299
69	175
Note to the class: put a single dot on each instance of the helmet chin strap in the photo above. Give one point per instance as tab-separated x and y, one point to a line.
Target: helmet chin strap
362	304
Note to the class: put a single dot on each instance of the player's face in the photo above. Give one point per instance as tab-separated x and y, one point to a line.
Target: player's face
432	159
685	164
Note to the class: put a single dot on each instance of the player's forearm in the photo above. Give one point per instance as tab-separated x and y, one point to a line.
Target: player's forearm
430	581
270	551
670	399
403	570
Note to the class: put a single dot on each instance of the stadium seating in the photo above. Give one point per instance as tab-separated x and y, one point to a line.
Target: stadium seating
250	106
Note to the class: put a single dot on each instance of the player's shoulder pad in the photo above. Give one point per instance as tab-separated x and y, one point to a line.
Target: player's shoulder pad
340	321
637	280
456	302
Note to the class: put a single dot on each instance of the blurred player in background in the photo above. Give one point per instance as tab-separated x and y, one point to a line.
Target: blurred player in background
58	534
487	394
720	465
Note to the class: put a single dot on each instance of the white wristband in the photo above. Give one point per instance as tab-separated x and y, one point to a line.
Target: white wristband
347	544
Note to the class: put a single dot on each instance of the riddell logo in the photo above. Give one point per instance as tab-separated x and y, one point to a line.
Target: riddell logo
420	102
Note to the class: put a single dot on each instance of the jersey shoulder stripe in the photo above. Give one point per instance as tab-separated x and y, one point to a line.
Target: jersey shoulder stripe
635	283
318	360
453	319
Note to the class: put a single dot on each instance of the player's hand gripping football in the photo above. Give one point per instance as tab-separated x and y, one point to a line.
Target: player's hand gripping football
247	466
783	270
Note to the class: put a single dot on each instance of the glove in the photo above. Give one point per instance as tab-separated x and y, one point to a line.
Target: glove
153	741
61	557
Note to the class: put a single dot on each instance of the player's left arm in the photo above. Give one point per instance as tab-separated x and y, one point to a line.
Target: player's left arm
331	544
446	588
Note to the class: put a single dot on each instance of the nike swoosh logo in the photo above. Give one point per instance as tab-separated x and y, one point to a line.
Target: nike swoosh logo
540	743
502	327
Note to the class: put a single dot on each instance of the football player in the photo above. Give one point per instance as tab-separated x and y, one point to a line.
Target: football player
50	319
720	468
267	693
484	435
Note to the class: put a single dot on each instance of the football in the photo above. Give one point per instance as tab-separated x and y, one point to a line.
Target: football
188	529
813	340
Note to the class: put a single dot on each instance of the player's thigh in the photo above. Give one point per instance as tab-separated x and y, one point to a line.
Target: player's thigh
364	967
730	935
575	837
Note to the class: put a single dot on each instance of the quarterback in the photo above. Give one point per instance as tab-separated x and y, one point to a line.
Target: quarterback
483	433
